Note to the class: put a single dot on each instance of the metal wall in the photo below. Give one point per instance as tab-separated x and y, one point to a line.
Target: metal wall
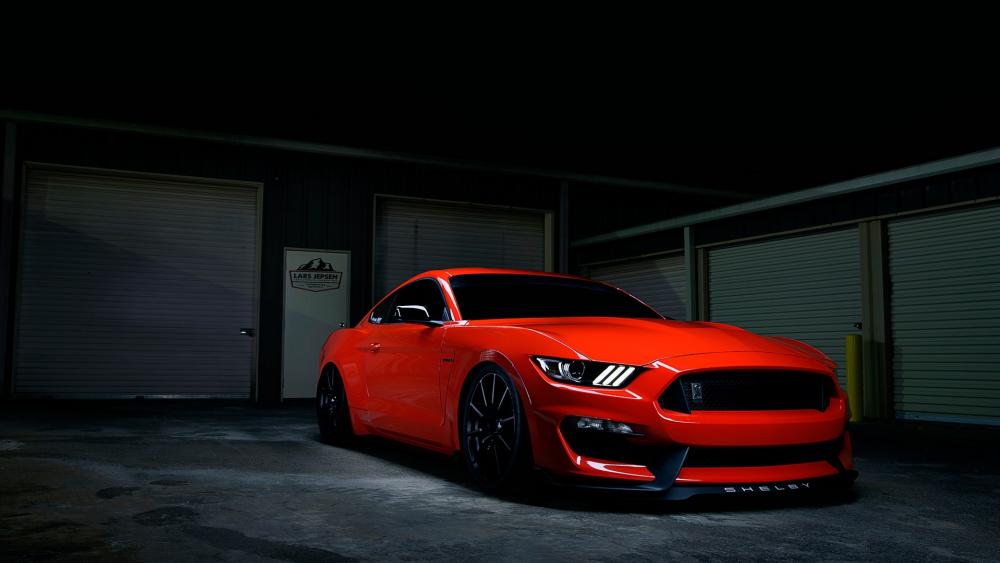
944	271
804	287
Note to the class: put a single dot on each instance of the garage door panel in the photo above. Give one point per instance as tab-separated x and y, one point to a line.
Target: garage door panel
796	306
983	397
947	413
945	315
413	236
748	288
943	249
145	283
967	234
765	258
924	368
955	304
805	287
945	272
823	274
916	384
958	344
958	324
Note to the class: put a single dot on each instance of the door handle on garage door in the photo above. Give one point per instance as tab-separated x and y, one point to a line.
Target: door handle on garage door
374	347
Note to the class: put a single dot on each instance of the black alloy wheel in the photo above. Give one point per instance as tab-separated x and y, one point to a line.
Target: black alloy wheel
493	435
331	408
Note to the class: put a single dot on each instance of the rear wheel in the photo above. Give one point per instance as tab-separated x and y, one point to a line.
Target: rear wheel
332	412
493	433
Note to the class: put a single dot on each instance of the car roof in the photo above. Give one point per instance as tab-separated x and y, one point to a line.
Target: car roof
448	273
452	272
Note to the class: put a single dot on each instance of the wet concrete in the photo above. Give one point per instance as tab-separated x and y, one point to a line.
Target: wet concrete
156	481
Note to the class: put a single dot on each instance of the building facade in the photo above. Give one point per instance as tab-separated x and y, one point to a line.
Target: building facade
157	263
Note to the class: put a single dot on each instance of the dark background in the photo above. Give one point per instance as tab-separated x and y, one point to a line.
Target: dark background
751	141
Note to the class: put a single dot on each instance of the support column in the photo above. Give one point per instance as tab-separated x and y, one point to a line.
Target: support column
691	269
7	254
876	385
563	227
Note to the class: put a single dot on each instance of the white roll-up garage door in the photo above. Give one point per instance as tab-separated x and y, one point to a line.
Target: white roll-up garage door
805	287
660	282
135	285
413	236
945	315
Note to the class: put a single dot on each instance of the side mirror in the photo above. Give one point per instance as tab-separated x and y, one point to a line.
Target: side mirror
415	314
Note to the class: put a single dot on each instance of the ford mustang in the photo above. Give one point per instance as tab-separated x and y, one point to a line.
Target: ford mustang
519	371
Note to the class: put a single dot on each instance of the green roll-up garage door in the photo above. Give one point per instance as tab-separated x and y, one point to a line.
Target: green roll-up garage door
945	315
660	282
805	287
412	236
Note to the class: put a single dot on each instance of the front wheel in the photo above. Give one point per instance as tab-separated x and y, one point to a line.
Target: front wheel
493	433
332	412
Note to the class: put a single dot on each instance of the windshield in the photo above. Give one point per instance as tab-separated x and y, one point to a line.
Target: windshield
515	296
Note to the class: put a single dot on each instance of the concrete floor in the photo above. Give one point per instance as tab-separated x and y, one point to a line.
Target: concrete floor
160	481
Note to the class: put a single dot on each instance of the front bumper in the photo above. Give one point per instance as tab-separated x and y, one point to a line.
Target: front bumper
680	455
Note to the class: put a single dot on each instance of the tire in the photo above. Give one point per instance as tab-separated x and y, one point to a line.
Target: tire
332	411
493	434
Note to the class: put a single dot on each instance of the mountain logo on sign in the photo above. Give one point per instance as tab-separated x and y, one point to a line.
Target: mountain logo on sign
315	275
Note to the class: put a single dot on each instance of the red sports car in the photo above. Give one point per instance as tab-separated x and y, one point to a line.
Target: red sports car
521	370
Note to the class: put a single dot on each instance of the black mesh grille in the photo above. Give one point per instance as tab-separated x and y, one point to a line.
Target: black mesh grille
748	391
761	456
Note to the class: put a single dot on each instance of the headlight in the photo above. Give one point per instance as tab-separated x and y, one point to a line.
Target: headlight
596	374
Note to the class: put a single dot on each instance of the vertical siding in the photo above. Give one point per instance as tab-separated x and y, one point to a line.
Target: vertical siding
945	315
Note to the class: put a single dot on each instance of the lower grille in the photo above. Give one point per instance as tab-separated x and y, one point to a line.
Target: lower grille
763	456
748	391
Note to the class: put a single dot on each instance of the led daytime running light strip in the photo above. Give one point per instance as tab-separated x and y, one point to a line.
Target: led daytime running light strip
613	376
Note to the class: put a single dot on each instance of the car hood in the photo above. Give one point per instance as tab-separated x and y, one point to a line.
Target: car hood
643	341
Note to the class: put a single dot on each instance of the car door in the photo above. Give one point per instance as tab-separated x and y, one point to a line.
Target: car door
404	365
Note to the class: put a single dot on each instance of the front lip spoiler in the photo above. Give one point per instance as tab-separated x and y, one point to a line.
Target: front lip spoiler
657	490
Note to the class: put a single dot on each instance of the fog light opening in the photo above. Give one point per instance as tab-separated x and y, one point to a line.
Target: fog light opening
601	425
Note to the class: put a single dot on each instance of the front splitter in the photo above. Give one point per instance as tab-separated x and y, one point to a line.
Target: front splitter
671	491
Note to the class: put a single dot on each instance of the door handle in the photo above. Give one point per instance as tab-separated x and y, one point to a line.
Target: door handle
374	347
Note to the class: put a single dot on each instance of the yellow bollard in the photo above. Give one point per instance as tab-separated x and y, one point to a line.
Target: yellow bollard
853	349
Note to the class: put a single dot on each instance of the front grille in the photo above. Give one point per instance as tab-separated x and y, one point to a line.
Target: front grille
762	456
748	391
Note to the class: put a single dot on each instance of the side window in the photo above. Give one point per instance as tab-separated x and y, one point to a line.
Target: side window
422	293
382	313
